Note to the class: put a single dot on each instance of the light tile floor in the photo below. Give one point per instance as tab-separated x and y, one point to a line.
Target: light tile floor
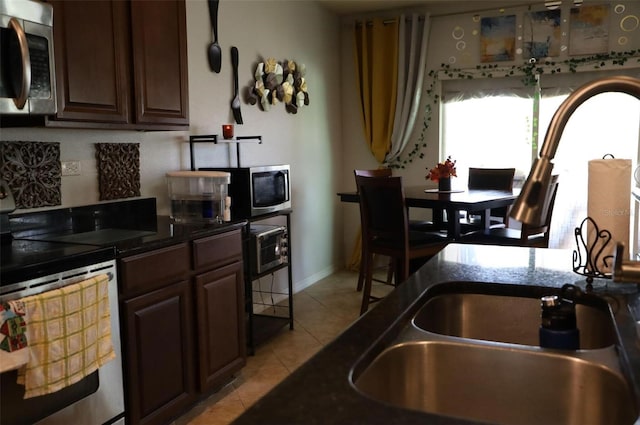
321	312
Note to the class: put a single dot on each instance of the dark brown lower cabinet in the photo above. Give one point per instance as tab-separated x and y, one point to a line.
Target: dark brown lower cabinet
221	336
160	354
183	324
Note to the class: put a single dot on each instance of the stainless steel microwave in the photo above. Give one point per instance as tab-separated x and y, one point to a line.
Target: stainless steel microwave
27	74
257	191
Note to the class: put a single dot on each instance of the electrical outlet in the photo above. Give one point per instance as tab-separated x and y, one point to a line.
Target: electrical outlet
71	168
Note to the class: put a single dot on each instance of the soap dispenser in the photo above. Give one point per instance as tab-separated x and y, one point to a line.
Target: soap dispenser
558	327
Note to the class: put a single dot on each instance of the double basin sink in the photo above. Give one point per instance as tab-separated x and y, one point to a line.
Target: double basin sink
471	352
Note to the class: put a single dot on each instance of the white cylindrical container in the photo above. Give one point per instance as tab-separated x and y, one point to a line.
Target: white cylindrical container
609	205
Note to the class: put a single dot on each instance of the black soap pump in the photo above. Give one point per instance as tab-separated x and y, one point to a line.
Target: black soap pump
558	327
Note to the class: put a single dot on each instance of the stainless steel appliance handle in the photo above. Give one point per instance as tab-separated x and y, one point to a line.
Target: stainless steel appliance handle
21	100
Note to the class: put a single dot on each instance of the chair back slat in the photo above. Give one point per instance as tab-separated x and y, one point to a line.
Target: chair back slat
379	172
382	204
491	178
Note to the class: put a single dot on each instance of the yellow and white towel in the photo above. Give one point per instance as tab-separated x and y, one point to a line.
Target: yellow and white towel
69	334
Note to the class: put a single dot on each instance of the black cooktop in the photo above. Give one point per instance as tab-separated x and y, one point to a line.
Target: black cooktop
22	260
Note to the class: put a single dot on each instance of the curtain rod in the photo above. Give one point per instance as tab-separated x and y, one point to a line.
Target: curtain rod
388	21
550	5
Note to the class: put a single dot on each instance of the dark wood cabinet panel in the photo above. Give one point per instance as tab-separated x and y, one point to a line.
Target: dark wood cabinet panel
183	324
121	64
151	270
159	354
160	61
221	329
217	250
93	75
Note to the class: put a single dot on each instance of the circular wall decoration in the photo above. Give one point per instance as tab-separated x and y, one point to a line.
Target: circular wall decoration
457	33
452	59
461	45
629	23
623	40
619	9
476	18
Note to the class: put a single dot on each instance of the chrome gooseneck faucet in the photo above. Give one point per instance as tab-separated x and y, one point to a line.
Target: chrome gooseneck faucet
528	206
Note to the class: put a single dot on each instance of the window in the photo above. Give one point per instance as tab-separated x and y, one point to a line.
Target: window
488	132
494	128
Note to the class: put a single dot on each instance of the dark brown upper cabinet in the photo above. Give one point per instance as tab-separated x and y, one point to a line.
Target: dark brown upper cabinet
121	64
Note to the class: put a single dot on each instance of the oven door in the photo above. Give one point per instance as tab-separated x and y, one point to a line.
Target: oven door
96	399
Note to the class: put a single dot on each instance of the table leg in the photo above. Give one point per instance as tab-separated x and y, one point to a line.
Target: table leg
453	228
485	219
438	218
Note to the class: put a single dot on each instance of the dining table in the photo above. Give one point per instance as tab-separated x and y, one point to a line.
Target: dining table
451	203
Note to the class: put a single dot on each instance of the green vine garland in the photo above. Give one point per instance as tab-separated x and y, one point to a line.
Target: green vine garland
529	71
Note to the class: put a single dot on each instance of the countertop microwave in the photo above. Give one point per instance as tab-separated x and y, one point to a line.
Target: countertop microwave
27	75
256	191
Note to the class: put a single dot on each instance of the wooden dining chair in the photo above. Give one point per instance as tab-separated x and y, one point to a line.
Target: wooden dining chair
378	172
385	231
489	179
416	225
529	235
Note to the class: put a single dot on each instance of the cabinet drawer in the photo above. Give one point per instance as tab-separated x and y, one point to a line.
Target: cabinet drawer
155	269
217	250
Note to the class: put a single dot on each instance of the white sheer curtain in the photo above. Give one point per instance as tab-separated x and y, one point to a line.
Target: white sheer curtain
412	52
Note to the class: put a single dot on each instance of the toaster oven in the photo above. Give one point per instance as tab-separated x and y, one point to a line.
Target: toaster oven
268	247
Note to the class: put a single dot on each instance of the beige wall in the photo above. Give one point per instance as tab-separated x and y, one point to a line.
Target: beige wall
309	141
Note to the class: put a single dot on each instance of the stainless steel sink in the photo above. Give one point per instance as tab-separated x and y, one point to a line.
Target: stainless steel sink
498	384
508	319
471	351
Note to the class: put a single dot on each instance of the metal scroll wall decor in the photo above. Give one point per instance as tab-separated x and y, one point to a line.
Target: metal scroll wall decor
118	170
33	172
279	82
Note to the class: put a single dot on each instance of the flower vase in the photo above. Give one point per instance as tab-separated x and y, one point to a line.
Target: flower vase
444	184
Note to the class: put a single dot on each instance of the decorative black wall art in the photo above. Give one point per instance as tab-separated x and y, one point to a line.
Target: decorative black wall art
33	172
118	170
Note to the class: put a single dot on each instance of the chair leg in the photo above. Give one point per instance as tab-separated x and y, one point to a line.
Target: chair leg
402	270
366	291
390	272
362	272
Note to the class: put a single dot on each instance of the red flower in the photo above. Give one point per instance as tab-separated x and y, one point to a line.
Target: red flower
443	170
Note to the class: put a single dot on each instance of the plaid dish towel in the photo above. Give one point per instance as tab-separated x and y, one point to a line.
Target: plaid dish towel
69	334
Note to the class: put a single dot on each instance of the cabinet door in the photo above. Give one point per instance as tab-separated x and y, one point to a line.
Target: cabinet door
159	354
221	327
159	39
91	45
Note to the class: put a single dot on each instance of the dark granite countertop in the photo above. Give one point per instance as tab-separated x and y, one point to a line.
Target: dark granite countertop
48	239
320	392
168	233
